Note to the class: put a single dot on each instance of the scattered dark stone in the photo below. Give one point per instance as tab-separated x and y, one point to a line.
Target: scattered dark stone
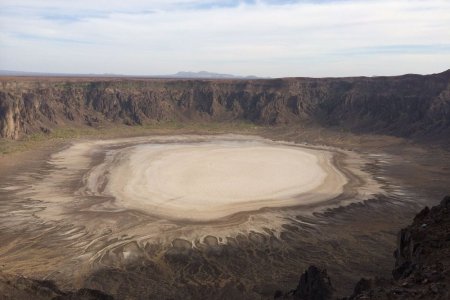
18	287
445	203
422	214
363	285
85	294
45	130
278	294
314	285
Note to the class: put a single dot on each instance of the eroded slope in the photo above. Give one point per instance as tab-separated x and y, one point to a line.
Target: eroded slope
408	106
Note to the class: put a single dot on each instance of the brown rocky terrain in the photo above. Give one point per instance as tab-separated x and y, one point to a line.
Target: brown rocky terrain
14	287
421	270
422	260
407	106
422	265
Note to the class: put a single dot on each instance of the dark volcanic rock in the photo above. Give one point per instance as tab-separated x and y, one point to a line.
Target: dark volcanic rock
407	106
314	285
85	294
17	288
422	267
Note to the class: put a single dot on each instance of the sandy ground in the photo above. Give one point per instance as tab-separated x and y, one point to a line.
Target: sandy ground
178	210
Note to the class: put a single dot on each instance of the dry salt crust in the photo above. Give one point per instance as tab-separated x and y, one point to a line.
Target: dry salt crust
193	178
214	179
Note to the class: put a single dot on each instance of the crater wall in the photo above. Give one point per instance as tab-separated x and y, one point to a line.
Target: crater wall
407	106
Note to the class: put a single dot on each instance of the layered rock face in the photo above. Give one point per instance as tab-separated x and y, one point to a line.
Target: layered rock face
407	106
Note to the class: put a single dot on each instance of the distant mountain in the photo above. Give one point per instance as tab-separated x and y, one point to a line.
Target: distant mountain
181	75
208	75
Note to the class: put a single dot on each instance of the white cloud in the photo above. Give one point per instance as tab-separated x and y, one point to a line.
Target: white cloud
333	38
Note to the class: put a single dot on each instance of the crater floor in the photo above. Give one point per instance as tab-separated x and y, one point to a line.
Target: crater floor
202	207
214	179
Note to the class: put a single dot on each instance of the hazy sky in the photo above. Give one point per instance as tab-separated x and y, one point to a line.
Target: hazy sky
264	38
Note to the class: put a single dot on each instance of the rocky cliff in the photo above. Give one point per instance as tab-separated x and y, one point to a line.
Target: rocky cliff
422	265
407	106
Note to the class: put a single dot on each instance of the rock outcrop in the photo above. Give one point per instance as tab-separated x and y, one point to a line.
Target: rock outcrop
14	287
407	106
314	284
422	260
422	265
